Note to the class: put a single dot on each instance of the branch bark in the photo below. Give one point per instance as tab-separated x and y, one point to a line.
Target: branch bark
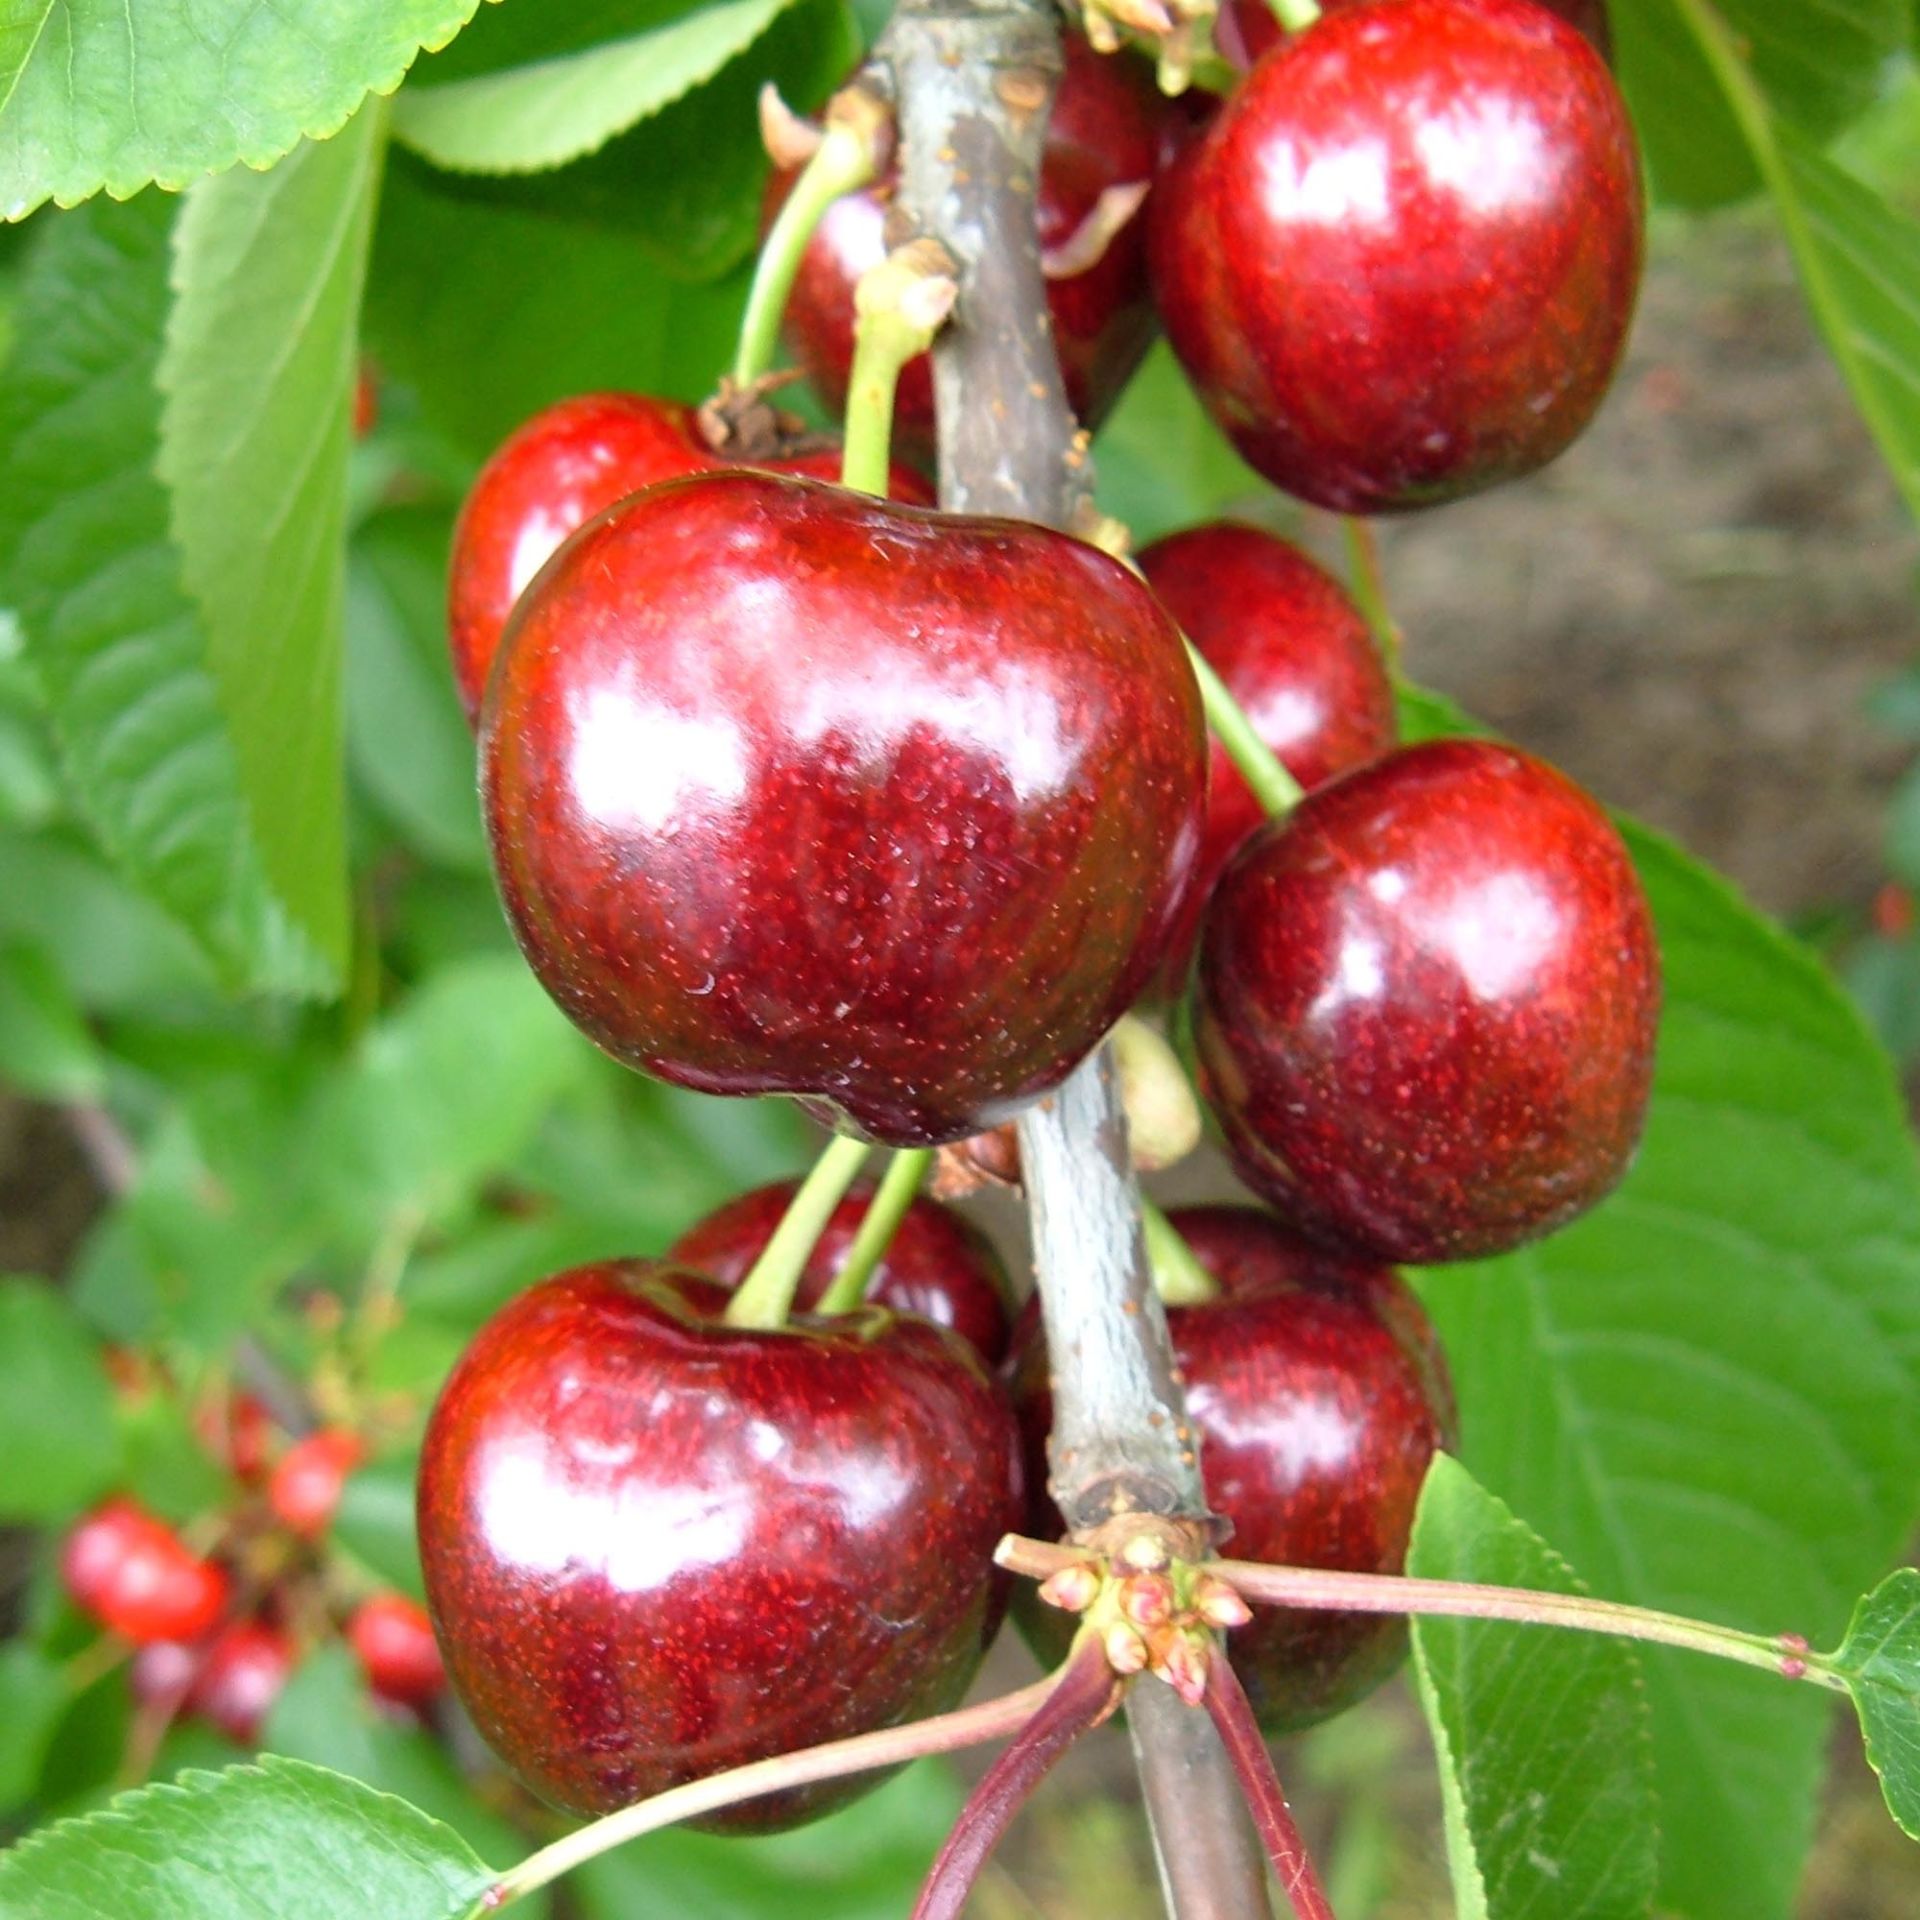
972	81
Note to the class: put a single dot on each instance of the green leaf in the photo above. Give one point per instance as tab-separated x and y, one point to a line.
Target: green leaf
1880	1662
1545	1762
554	111
1707	1390
36	1694
57	1440
441	1095
279	1841
408	742
103	93
375	1523
87	564
258	375
45	1048
1818	64
325	1716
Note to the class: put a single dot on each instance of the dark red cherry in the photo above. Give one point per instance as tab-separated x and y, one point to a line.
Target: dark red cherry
657	1546
793	791
1425	1005
1296	654
1320	1395
937	1265
1244	30
134	1574
307	1481
1111	128
1400	263
392	1638
241	1674
554	474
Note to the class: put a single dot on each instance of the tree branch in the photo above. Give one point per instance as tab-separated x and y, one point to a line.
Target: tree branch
973	80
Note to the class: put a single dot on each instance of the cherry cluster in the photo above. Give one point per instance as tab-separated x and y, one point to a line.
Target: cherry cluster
217	1617
793	789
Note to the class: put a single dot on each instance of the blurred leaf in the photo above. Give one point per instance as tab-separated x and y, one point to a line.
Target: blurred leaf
687	182
35	1692
57	1444
440	1095
168	1469
375	1524
280	1839
463	1284
1880	1662
581	310
99	93
1884	977
1707	1389
407	739
1545	1762
87	564
325	1716
29	781
1818	64
1895	704
553	111
45	1048
863	1863
258	376
1163	464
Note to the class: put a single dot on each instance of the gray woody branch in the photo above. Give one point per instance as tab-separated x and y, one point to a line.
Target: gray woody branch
973	80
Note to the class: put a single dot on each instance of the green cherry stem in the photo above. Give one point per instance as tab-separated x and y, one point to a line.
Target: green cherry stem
1178	1277
899	306
891	1199
1785	1655
1273	786
765	1296
1369	589
1295	15
845	160
889	1747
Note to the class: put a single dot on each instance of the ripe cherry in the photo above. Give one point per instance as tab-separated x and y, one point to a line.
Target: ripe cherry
135	1575
554	474
1111	129
392	1638
308	1479
657	1546
237	1431
1296	654
1320	1395
1399	264
1244	30
795	791
242	1673
1426	1004
937	1265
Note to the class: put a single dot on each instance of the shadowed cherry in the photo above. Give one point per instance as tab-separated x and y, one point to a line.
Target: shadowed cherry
393	1640
1425	1005
657	1546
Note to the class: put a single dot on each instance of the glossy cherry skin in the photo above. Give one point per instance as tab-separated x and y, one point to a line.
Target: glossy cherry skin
1426	1002
393	1641
937	1265
1245	30
1400	263
1110	127
793	791
134	1574
1297	655
307	1481
657	1546
241	1675
554	474
1320	1395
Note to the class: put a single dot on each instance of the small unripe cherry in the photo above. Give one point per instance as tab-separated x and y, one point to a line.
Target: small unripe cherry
393	1640
309	1478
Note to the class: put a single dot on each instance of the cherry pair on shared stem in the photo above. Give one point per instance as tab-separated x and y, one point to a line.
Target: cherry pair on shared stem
551	476
1320	1395
658	1545
1399	264
795	791
1109	134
